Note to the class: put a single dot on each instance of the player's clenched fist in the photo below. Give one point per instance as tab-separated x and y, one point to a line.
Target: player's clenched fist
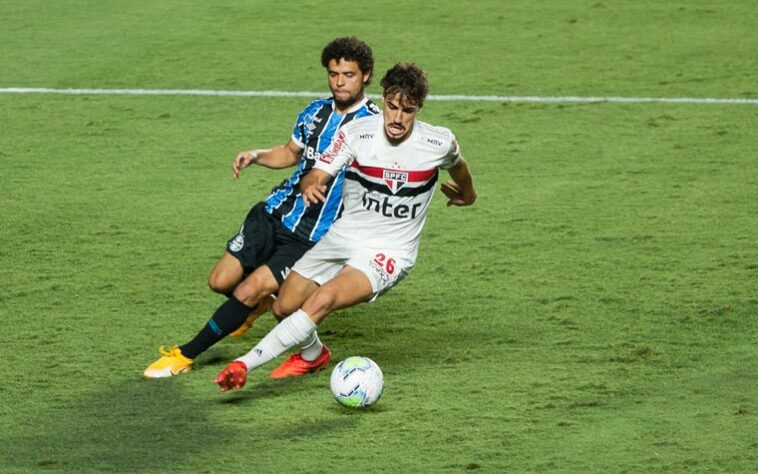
233	376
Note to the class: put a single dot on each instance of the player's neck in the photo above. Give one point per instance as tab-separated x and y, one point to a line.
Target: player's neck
351	107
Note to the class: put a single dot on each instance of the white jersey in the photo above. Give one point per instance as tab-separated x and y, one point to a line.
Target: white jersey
387	187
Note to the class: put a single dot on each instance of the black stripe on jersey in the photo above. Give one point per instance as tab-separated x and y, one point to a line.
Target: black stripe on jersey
283	200
313	147
383	189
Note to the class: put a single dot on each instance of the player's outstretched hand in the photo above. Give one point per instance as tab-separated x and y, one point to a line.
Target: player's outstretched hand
242	161
313	194
455	196
233	376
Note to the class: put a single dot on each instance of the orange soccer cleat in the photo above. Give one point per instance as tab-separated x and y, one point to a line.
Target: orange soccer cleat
296	366
233	376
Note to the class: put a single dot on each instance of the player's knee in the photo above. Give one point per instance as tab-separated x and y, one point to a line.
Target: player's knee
249	291
282	308
226	274
278	310
219	282
321	302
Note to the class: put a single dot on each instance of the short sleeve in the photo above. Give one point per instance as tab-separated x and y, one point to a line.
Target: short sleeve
339	154
453	155
299	133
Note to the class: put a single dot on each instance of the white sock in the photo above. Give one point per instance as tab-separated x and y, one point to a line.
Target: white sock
292	331
311	349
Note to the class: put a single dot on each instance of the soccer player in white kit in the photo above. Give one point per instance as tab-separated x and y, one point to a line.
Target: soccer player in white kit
392	164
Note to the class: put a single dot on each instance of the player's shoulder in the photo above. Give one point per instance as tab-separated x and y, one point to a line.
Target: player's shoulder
371	108
361	125
433	137
366	109
318	104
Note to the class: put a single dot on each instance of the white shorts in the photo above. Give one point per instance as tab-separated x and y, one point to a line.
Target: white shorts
384	267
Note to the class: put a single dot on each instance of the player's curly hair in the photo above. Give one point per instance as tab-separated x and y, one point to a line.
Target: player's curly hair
407	79
349	48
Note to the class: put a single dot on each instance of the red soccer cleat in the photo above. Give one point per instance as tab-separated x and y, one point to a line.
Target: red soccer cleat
233	376
296	366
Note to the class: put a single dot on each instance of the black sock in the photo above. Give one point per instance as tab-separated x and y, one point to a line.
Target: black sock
227	318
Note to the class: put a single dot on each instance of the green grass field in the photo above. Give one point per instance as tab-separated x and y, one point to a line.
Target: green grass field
595	311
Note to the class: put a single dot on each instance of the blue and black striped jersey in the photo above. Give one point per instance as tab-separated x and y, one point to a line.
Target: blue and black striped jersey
316	126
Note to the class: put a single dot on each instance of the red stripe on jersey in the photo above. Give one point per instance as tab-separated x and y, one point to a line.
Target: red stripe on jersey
413	176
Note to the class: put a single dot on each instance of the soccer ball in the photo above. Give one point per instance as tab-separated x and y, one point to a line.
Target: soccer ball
357	382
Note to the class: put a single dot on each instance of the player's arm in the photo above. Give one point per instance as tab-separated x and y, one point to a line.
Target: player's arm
281	156
460	190
313	186
339	154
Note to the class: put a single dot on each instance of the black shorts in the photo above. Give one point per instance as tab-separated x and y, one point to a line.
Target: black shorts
263	240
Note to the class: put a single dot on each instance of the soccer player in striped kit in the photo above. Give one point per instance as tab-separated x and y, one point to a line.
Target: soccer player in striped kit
392	164
279	230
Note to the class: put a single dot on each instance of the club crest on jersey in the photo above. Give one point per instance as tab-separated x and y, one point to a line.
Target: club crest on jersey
395	179
238	242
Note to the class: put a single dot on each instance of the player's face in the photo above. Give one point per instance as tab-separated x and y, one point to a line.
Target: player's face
346	81
399	115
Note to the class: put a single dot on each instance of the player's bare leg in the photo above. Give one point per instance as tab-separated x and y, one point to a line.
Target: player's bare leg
313	355
226	274
349	288
236	312
239	311
295	290
255	292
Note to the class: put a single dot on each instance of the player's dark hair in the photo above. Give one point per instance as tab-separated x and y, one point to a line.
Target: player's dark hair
349	48
407	79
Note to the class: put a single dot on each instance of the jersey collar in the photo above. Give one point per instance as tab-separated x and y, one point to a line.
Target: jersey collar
355	106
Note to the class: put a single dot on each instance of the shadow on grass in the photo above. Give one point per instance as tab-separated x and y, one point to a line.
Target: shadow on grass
130	426
260	387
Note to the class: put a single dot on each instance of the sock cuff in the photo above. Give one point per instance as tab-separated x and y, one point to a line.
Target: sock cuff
297	328
237	303
302	321
292	331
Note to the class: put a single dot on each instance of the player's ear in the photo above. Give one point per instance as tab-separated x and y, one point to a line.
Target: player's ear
367	76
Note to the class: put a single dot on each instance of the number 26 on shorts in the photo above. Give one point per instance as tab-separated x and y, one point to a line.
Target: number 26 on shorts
387	263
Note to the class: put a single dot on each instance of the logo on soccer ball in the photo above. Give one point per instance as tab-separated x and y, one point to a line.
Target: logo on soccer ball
357	382
395	179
